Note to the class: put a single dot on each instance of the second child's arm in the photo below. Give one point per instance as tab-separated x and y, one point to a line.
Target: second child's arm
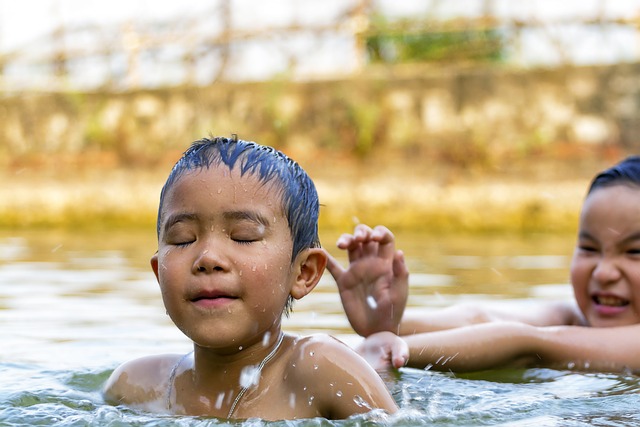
514	344
535	313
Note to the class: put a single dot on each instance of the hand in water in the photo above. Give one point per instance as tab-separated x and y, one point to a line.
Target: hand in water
384	350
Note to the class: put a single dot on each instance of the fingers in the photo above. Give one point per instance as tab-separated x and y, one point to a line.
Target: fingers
400	269
367	241
399	353
383	350
334	267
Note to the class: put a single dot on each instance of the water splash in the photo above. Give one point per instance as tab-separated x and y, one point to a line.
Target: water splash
249	376
358	400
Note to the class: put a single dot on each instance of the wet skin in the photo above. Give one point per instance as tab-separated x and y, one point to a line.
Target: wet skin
225	272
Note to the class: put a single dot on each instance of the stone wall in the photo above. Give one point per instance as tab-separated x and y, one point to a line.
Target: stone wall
468	116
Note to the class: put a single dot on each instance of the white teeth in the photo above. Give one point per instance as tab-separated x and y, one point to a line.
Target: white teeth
611	301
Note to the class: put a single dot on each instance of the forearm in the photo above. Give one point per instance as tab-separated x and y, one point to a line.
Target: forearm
460	315
508	344
473	348
455	316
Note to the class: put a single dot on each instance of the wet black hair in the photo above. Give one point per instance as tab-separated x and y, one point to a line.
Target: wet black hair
626	172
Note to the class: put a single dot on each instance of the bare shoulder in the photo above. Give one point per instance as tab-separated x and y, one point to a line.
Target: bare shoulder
338	379
310	349
140	382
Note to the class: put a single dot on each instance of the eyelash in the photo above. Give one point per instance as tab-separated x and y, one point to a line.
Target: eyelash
243	242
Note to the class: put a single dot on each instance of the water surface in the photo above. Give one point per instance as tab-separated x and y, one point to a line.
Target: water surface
75	305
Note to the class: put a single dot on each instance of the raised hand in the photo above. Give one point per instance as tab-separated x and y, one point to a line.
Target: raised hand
375	286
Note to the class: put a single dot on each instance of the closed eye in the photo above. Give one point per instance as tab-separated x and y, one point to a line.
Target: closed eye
587	248
244	241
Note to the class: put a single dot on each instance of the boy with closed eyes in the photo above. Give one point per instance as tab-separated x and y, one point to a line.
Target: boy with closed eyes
237	244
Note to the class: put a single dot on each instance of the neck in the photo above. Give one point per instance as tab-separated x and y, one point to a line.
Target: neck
211	363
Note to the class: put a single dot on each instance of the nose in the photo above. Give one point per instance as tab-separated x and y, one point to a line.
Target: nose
209	260
607	271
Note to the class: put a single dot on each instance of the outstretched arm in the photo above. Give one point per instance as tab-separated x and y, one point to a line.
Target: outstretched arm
511	344
374	287
535	313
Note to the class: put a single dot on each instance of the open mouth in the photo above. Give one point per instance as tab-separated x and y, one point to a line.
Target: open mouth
610	301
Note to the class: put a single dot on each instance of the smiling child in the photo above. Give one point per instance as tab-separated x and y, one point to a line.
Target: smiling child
596	331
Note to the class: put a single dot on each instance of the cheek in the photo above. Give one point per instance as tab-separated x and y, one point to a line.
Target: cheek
580	276
272	277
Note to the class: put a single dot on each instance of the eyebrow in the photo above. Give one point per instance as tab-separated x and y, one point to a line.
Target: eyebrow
231	215
632	237
252	216
176	218
629	238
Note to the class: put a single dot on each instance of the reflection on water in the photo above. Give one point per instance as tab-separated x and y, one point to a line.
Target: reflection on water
73	306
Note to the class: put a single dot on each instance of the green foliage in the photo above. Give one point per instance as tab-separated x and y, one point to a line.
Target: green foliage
411	41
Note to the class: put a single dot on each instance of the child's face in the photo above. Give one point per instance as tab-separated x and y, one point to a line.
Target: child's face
224	258
605	270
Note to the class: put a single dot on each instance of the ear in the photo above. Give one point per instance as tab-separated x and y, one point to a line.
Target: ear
309	268
154	265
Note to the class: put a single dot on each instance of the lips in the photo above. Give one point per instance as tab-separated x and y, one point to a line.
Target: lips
211	297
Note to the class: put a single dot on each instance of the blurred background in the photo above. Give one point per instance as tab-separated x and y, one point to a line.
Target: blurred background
464	115
471	128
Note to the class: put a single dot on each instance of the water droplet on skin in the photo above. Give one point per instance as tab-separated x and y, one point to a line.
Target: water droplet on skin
311	400
315	367
240	348
249	376
312	353
219	400
265	339
371	302
292	400
339	393
358	400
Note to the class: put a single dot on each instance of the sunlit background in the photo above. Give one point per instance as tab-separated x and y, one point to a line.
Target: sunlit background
82	44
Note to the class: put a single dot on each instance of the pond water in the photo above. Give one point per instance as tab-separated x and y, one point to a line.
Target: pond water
75	305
